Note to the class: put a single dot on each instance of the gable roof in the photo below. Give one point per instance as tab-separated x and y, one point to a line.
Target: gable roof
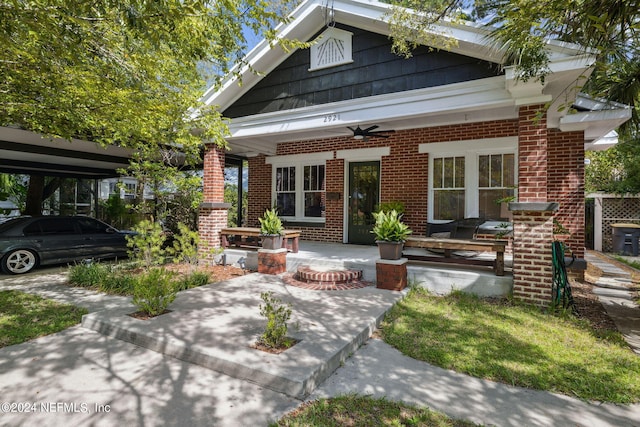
490	98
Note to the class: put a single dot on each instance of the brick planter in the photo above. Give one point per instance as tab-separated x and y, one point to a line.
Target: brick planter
272	261
391	274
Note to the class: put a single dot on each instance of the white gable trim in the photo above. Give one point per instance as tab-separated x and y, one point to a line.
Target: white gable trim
330	49
472	40
452	99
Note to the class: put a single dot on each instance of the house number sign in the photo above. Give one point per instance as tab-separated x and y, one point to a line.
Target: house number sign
329	118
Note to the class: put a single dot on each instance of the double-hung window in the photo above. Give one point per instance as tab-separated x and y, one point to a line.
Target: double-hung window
448	187
286	190
496	174
468	178
299	186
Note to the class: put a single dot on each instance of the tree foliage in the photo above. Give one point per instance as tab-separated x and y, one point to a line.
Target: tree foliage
608	29
126	72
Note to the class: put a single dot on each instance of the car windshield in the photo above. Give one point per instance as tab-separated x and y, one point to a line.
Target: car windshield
12	223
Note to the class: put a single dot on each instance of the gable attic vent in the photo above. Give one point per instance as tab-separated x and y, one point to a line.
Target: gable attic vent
330	49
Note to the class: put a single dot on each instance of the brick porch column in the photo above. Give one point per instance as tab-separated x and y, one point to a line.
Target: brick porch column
532	215
532	253
212	215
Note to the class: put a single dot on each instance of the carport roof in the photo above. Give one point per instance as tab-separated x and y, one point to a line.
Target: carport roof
25	152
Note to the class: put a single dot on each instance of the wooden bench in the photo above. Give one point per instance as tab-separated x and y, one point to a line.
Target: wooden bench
241	234
450	245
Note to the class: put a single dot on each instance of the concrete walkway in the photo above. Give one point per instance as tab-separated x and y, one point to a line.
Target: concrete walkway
82	377
613	290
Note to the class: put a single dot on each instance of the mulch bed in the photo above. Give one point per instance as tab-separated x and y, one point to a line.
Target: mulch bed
273	350
143	315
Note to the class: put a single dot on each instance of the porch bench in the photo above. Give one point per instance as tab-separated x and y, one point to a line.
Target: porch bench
249	237
449	245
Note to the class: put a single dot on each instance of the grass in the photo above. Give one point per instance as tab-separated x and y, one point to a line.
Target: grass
633	264
364	411
24	317
517	345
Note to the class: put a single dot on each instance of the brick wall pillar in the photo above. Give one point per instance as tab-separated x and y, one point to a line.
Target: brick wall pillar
532	215
212	215
532	253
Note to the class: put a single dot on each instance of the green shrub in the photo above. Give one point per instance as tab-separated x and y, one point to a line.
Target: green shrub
153	291
270	223
277	314
146	246
118	282
88	275
185	246
193	280
389	227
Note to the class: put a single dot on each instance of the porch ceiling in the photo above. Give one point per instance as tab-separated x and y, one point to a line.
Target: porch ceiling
25	152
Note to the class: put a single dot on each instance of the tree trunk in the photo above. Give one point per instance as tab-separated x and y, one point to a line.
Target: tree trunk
33	204
38	192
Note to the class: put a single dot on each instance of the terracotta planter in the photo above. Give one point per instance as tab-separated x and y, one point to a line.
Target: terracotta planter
390	250
271	241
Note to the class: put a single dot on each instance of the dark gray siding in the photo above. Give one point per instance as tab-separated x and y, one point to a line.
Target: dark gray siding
375	71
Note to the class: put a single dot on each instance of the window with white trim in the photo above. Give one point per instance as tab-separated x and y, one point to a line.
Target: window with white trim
448	187
467	178
286	191
496	181
299	186
314	191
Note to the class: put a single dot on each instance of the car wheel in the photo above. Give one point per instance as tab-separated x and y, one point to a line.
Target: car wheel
19	261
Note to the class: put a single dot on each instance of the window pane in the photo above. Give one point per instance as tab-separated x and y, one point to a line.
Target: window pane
286	204
483	171
489	208
448	204
459	182
313	204
508	163
448	172
496	170
314	178
292	179
285	179
309	175
437	173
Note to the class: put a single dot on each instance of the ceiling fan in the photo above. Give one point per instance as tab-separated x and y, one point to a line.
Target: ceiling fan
359	133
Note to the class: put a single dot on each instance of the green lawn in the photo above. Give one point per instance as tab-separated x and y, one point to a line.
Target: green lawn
364	411
24	317
516	345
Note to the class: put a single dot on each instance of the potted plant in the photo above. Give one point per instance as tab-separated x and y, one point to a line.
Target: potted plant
271	229
390	234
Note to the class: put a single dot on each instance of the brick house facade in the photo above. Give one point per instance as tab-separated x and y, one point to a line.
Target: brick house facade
465	129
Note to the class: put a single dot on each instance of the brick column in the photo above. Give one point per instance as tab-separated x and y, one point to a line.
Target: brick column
212	216
532	215
532	253
532	154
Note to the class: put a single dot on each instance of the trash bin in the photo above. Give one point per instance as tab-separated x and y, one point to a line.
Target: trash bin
625	238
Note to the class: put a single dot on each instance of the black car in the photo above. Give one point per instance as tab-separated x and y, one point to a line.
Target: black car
27	242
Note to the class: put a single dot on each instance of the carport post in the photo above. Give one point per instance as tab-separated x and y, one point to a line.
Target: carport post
212	215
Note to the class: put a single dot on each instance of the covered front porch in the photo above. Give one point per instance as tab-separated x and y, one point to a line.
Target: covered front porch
436	277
